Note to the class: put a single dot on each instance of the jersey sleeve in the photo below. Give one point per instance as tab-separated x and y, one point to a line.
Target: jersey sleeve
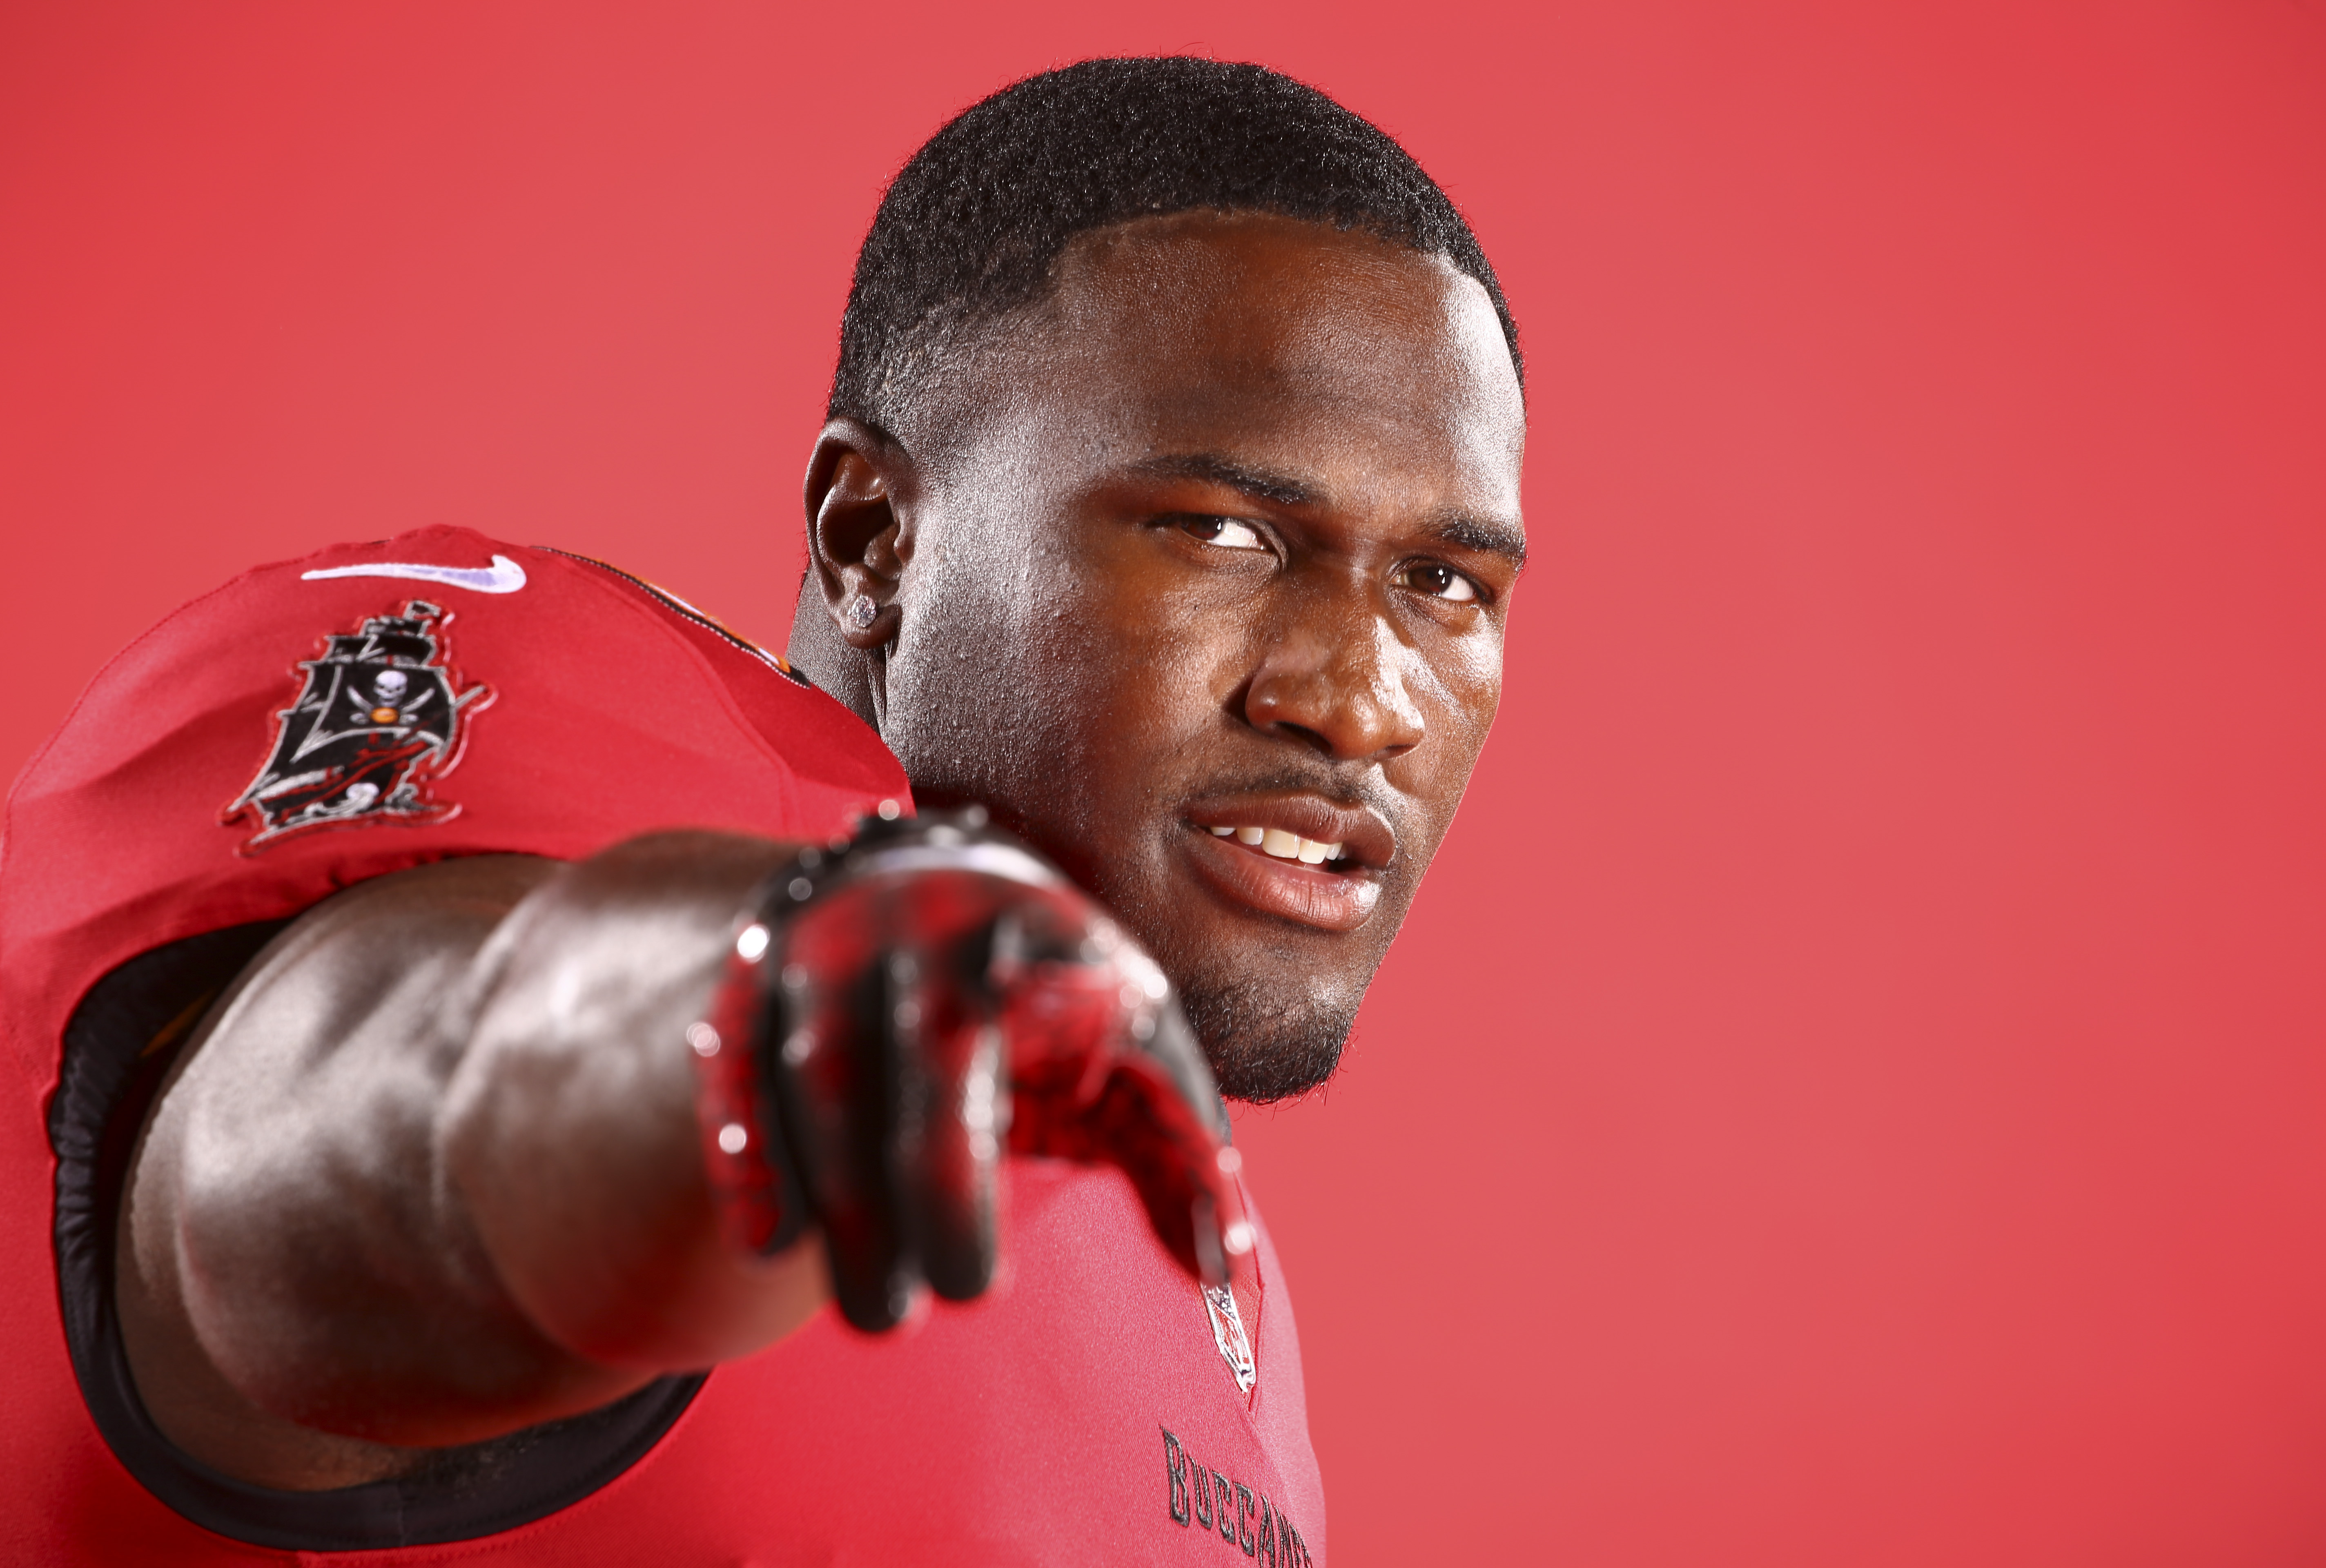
372	707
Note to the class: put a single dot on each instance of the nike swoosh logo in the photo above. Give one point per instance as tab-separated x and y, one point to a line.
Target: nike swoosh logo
503	575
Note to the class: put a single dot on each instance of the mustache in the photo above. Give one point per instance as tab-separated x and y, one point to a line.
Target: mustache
1354	785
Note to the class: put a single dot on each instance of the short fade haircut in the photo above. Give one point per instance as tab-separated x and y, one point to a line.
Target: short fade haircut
971	227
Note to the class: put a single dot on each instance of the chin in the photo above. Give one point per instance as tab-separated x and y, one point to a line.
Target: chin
1263	1050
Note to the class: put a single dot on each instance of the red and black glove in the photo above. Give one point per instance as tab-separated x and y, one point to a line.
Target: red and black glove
900	1007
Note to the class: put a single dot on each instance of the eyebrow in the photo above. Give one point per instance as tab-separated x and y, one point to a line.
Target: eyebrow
1457	530
1486	538
1257	483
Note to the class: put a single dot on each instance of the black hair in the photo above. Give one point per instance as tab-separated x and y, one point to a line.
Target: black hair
972	225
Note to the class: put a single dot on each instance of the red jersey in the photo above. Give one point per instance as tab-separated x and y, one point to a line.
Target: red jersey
374	706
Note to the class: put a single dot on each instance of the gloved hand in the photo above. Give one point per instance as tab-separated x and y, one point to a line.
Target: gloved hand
908	1003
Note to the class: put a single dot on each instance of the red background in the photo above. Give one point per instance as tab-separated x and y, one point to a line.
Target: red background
1851	1091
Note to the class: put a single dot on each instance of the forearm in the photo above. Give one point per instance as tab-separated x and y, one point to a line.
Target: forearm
432	1175
568	1136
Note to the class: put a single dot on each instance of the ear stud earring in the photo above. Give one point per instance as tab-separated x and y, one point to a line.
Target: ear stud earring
862	612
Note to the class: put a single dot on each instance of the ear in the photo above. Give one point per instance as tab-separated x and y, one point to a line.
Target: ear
858	536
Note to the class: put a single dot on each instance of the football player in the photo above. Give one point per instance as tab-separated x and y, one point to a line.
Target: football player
519	1061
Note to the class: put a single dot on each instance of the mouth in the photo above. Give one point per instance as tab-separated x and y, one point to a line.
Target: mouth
1297	857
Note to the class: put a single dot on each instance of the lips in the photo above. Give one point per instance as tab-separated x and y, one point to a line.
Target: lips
1297	857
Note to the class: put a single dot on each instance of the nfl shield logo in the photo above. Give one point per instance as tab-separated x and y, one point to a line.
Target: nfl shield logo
1227	1333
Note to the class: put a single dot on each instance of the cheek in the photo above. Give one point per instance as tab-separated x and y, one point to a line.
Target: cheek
1459	684
1476	692
1066	708
1155	654
1149	694
1460	687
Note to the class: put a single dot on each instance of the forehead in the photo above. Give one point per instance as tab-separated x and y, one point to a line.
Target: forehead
1375	370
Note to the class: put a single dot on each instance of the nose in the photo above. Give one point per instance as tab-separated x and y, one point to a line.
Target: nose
1334	679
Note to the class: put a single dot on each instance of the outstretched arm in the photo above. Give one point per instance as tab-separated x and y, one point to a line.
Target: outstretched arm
435	1170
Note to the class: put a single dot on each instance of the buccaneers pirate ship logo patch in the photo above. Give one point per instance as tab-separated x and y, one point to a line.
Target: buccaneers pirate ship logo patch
378	719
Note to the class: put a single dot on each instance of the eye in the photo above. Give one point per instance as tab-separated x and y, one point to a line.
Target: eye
1439	581
1225	532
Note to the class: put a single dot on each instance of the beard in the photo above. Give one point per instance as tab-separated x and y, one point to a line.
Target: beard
1265	1048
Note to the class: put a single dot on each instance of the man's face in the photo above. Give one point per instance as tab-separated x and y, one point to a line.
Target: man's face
1218	546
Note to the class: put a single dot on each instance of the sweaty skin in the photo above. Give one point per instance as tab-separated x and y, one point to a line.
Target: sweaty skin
1220	535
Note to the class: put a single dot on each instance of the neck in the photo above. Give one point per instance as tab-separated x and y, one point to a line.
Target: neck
818	651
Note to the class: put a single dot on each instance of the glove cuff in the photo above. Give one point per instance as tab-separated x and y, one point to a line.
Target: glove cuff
755	1182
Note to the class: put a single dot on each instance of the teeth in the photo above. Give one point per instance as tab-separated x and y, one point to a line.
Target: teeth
1282	845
